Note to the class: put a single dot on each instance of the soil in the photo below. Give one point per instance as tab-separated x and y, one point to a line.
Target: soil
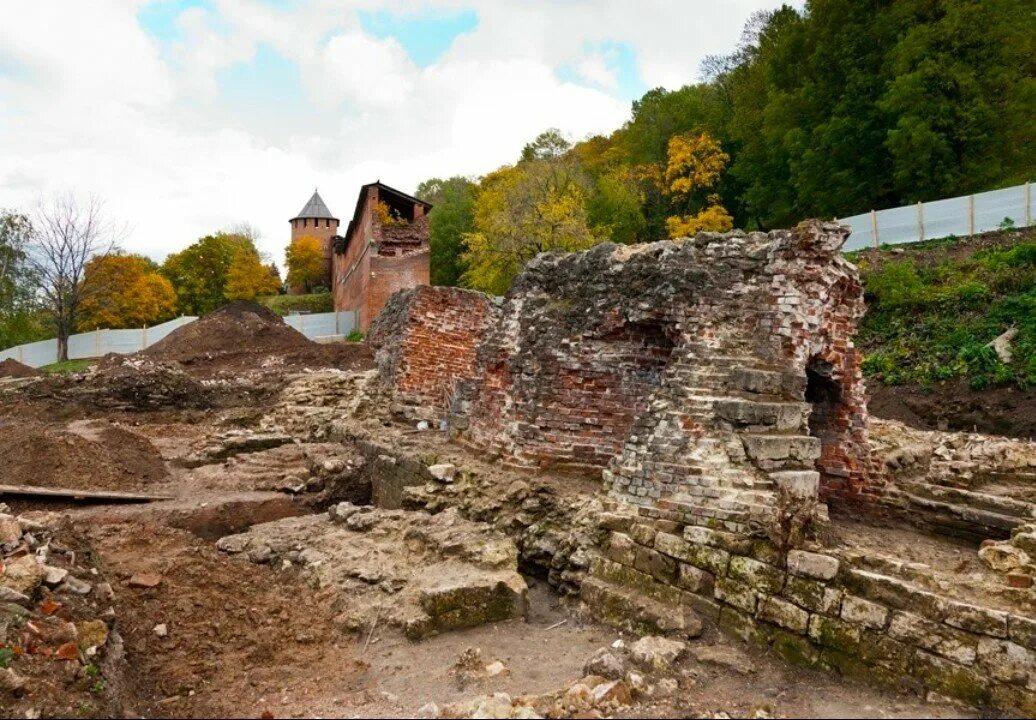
247	335
85	455
1007	411
12	368
241	640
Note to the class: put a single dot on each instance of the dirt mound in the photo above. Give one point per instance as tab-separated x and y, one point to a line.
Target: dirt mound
12	368
234	328
246	335
1006	411
86	455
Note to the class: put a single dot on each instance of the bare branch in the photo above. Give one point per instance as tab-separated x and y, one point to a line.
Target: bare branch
67	233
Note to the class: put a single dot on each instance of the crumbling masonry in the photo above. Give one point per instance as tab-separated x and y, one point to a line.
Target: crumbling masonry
713	384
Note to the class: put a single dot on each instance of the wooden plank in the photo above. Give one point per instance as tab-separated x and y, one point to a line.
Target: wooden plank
76	494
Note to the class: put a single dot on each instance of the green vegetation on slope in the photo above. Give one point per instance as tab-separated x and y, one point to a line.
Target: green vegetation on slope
69	366
287	304
934	307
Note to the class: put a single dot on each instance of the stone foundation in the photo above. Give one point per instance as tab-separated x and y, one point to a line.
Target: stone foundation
817	608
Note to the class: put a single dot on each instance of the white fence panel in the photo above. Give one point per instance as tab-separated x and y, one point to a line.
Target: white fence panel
85	345
101	342
316	325
34	354
962	216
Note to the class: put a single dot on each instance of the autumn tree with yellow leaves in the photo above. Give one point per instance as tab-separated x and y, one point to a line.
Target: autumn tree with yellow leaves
694	165
124	291
305	261
520	211
247	277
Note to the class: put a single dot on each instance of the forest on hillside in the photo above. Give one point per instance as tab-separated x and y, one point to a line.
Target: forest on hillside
842	107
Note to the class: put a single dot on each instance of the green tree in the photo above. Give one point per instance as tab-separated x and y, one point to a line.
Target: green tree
452	217
200	272
20	321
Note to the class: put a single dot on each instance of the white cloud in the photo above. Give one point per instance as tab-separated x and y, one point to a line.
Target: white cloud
90	101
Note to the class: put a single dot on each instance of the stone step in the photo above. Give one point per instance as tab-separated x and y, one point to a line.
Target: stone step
1002	506
629	611
781	416
802	484
779	448
768	382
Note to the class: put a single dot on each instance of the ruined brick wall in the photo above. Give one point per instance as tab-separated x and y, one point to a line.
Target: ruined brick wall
378	261
424	342
681	366
713	378
352	267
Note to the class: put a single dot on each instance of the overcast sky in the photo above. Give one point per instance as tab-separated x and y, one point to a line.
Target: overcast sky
188	116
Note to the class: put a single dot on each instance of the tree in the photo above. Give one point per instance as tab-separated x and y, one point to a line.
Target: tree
452	217
695	164
548	145
121	291
305	260
616	206
199	273
19	317
536	206
66	234
247	277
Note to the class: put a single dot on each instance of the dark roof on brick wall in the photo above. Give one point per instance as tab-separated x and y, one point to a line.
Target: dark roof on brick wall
384	189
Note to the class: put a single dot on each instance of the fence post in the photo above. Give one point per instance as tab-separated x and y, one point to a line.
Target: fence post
97	342
920	221
1028	203
21	354
874	228
971	216
337	332
143	337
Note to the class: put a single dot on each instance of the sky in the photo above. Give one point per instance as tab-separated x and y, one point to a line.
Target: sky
190	116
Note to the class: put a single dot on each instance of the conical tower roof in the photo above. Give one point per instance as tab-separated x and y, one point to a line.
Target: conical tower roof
315	208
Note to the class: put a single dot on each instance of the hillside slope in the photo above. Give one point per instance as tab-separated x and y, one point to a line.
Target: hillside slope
933	309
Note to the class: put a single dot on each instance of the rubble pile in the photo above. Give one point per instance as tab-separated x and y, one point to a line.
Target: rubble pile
57	637
555	534
965	484
422	573
1015	558
128	383
258	460
309	405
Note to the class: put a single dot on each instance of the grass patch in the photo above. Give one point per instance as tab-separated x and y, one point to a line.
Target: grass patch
931	313
68	366
287	304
